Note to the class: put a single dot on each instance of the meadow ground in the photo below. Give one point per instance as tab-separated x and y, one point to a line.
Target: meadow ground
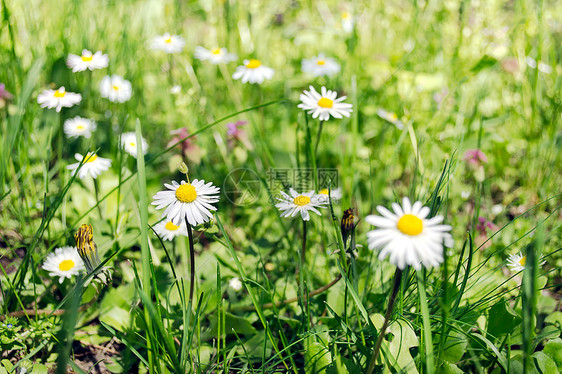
179	192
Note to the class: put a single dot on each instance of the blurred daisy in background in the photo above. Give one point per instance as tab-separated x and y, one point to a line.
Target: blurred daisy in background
92	166
116	89
58	99
320	66
518	261
87	61
215	56
324	104
294	203
390	117
128	141
168	231
253	72
407	236
64	263
347	21
187	201
235	284
335	194
168	43
79	126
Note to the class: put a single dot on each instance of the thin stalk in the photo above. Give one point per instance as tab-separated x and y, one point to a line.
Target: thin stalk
318	137
395	288
191	263
428	341
97	192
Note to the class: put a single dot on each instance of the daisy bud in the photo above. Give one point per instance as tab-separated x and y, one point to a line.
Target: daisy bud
87	249
347	224
182	167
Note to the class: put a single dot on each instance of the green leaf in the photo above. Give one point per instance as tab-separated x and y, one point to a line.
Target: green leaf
455	347
117	318
448	368
39	369
502	320
554	318
544	363
317	358
485	62
554	350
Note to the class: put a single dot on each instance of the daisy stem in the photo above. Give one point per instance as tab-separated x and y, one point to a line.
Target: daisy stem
303	249
96	192
390	307
191	262
428	341
318	137
302	291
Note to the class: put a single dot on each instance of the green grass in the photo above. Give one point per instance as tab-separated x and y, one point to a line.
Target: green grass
455	73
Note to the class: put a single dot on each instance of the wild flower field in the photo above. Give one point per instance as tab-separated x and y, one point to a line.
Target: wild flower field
280	186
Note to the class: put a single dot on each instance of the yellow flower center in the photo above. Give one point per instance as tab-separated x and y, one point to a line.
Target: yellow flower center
90	158
392	116
169	40
66	265
345	15
324	191
80	127
301	200
186	193
116	88
523	261
87	58
410	225
170	226
253	63
132	144
60	92
325	103
217	51
320	62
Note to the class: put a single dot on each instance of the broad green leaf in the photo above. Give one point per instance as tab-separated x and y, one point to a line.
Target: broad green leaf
502	320
117	318
554	350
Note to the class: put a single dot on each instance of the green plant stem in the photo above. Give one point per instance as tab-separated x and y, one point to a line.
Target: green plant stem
390	307
318	136
191	263
428	341
97	192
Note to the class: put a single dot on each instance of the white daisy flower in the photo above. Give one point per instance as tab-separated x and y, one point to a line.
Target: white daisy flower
320	66
517	262
64	263
116	89
175	89
92	166
347	21
58	99
544	68
128	141
390	117
216	56
324	104
87	61
334	194
168	231
191	201
253	72
168	43
407	237
295	203
235	284
79	126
